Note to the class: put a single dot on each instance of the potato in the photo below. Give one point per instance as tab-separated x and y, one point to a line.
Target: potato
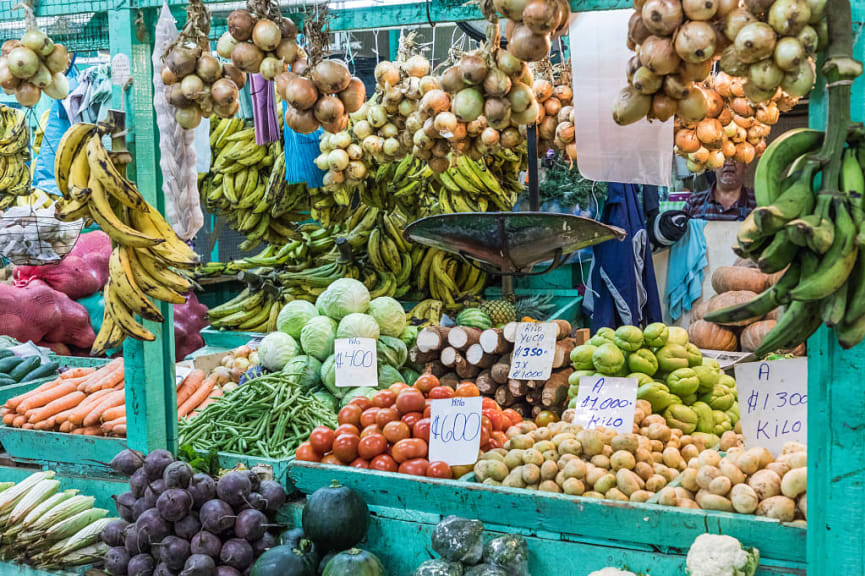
549	486
802	505
561	437
608	434
706	474
735	451
591	442
544	445
541	434
514	458
573	486
709	458
686	440
779	468
689	451
673	443
627	442
643	470
628	482
513	431
765	483
601	461
491	482
568	415
521	442
730	470
622	459
669	473
643	455
694	463
744	499
604	483
593	494
564	459
607	450
748	463
686	503
531	486
791	447
638	418
527	426
551	455
532	456
560	477
720	486
667	497
490	469
676	433
644	405
766	457
654	419
514	479
794	459
673	459
699	442
556	428
493	456
794	482
570	446
657	446
594	474
640	496
531	473
575	469
657	457
616	494
644	443
709	501
777	507
660	432
682	493
728	440
549	470
688	479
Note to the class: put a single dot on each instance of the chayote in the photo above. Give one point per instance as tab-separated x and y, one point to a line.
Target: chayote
608	359
581	357
681	417
672	357
628	338
656	334
683	382
644	361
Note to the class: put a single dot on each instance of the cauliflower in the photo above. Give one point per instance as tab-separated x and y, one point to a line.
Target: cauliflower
610	571
718	555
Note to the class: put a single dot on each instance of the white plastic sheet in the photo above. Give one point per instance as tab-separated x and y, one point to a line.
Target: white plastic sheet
640	153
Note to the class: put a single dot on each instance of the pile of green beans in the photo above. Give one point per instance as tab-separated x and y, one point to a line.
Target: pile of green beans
268	417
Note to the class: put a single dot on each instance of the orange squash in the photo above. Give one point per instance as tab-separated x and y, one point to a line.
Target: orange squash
711	336
729	278
732	298
753	334
699	310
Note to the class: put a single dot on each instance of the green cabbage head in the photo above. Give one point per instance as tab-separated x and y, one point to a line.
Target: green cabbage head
317	337
389	314
276	349
294	316
358	325
343	297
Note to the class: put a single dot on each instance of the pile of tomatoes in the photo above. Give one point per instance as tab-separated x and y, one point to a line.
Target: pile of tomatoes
390	431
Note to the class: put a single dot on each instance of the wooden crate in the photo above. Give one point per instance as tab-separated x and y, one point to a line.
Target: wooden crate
566	534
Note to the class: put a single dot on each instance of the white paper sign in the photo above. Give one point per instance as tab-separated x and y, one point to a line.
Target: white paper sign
534	348
773	402
455	430
607	402
355	362
120	69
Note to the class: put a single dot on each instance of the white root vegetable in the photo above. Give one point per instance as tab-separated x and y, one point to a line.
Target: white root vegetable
744	499
794	482
765	483
777	507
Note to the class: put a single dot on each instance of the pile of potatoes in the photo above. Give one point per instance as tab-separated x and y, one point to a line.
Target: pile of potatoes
599	463
745	481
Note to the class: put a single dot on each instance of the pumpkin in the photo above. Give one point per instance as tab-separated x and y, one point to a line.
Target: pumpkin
354	562
335	517
711	336
773	315
283	561
727	299
753	334
699	310
729	278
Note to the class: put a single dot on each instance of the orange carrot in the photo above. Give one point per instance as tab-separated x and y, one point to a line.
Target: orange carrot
214	396
47	424
77	415
199	396
13	403
61	417
8	418
109	381
27	426
189	385
115	398
43	398
77	372
114	413
108	426
19	421
105	372
119	430
88	431
66	427
63	403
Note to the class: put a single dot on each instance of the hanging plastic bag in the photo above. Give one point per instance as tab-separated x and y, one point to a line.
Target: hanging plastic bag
640	153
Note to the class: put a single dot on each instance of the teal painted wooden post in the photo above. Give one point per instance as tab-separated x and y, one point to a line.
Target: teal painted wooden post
836	421
150	385
393	43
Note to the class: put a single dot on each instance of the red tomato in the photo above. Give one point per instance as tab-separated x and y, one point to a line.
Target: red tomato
385	415
513	416
490	403
384	463
411	418
350	414
421	429
371	429
408	449
371	446
467	390
346	429
415	467
368	417
383	399
486	423
398	387
359	463
485	437
440	392
396	431
345	447
361	401
410	400
500	437
331	459
305	453
495	416
321	439
439	470
494	443
426	382
427	412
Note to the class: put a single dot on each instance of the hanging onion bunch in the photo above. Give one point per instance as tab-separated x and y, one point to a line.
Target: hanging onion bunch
196	82
533	24
553	92
33	65
319	92
342	159
260	40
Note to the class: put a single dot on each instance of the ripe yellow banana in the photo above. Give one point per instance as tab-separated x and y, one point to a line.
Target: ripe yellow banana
117	230
124	284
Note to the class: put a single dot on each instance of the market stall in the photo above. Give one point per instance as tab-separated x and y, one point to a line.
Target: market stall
387	252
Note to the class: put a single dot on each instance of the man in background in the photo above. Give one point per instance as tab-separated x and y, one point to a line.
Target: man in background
726	199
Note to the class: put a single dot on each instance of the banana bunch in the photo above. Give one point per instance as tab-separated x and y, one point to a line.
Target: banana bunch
14	155
814	237
253	310
445	277
425	313
390	256
146	249
247	186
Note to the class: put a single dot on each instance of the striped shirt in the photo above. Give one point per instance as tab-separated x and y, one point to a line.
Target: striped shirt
703	205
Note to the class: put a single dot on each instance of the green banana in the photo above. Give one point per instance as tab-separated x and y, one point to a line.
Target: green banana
778	254
832	308
783	151
798	321
853	184
812	231
793	202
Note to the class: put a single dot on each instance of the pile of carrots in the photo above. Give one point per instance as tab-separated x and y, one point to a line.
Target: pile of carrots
92	401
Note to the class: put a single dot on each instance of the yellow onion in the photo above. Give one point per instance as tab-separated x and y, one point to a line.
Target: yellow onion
373	144
687	141
714	103
699	9
765	75
564	93
520	97
240	24
695	42
441	148
735	21
468	104
353	96
58	59
445	122
728	148
675	87
414	122
637	31
355	152
187	118
337	160
661	17
301	121
340	140
756	94
695	71
528	46
301	93
191	86
692	107
715	160
452	80
743	121
759	148
731	64
547	128
646	81
497	83
710	132
699	156
439	165
630	106
168	77
809	39
333	178
473	69
510	138
362	129
386	73
475	127
406	107
509	64
663	107
726	116
247	57
376	115
745	153
266	35
498	112
565	132
658	55
552	107
434	101
721	84
695	167
321	162
356	170
234	74
59	87
768	113
725	7
490	137
225	45
287	50
800	81
541	16
527	116
428	83
754	42
788	17
331	76
223	92
271	67
416	66
542	89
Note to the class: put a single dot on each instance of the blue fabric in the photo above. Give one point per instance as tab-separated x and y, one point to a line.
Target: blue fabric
686	269
58	123
622	294
301	151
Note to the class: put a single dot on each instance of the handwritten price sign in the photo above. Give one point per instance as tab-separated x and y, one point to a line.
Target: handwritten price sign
355	362
534	348
773	401
455	430
606	402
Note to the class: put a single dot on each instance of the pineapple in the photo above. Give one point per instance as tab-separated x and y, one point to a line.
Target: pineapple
499	311
537	307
